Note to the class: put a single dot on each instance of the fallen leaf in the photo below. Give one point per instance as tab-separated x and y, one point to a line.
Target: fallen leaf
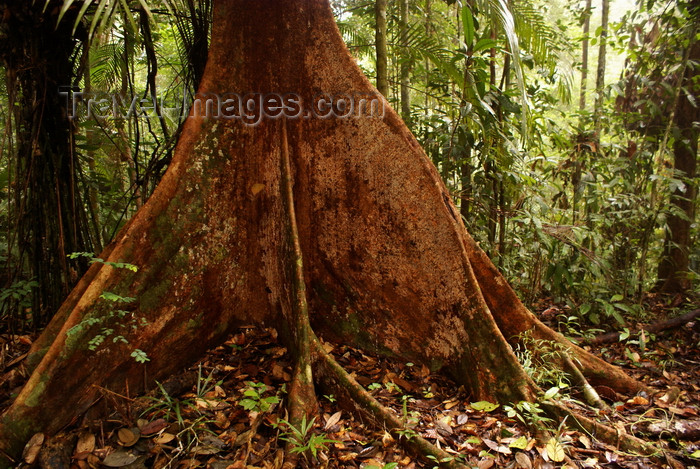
333	419
86	443
585	441
496	447
555	451
520	443
128	436
387	439
119	458
450	404
638	400
204	450
32	448
153	427
484	406
442	425
523	460
485	463
164	438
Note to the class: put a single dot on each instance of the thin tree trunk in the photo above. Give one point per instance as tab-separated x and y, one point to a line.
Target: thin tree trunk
380	35
600	73
405	64
584	56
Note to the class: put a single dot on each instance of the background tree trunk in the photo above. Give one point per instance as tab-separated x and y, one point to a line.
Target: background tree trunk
584	56
405	64
380	39
673	271
51	217
387	263
600	73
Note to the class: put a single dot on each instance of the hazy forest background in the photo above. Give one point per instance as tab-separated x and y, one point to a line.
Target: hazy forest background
566	131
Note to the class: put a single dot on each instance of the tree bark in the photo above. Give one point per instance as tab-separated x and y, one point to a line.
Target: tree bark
387	263
674	267
405	65
600	73
51	219
584	56
380	32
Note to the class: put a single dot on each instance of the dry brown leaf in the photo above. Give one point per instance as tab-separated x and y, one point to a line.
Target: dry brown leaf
387	439
485	463
523	460
164	438
32	448
333	419
450	403
496	447
86	443
119	458
153	427
638	400
221	420
128	436
585	441
443	426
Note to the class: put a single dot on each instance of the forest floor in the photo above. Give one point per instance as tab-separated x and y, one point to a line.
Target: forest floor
227	412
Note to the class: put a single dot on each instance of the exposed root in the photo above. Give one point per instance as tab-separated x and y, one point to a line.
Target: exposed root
334	376
589	393
613	436
610	337
302	397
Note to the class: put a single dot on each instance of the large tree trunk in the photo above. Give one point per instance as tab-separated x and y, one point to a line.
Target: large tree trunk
387	263
674	267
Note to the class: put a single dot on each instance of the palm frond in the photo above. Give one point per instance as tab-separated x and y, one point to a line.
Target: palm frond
102	12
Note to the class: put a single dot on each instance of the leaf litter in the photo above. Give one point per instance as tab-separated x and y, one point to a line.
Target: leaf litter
203	425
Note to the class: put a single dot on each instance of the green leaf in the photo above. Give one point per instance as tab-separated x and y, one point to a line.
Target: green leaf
483	44
140	356
696	454
484	406
520	443
468	24
616	298
551	393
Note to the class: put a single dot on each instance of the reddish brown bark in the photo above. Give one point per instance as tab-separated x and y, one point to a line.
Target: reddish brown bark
387	262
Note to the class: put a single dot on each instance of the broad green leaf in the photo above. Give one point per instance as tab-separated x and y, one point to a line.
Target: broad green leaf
616	298
520	443
484	43
468	24
484	406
